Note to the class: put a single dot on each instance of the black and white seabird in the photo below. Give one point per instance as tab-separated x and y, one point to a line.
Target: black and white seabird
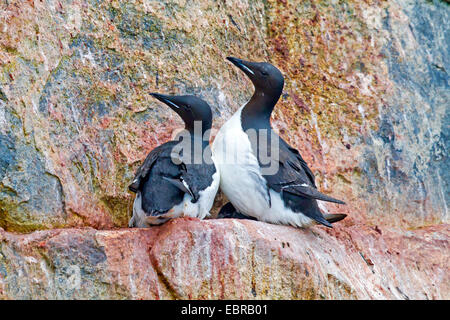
288	196
168	184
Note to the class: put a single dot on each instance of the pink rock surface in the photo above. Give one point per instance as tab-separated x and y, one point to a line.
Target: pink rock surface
365	102
227	259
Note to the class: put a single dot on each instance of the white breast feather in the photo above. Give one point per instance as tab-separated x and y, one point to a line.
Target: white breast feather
241	180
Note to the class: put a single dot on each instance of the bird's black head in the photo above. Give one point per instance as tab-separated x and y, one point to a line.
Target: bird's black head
190	108
266	78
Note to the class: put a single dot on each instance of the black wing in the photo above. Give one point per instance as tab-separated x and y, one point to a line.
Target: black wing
163	182
152	180
298	163
294	176
198	177
144	169
296	184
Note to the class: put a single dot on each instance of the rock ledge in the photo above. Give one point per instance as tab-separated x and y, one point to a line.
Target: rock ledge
226	259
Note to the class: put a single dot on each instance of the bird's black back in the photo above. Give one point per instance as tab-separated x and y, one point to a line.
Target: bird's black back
158	194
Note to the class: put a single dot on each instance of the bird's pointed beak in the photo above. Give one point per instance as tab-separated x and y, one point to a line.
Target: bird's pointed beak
245	66
169	100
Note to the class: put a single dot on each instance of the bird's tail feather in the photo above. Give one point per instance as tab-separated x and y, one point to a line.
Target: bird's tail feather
335	217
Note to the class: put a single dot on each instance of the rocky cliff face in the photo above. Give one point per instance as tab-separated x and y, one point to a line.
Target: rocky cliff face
365	101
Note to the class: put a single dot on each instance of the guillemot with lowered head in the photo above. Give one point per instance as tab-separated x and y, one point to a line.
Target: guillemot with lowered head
178	178
261	175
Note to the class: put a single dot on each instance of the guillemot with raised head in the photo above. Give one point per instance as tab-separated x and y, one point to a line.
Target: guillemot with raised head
178	178
282	194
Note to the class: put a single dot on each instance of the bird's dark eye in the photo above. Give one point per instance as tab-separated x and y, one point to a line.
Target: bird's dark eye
264	73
